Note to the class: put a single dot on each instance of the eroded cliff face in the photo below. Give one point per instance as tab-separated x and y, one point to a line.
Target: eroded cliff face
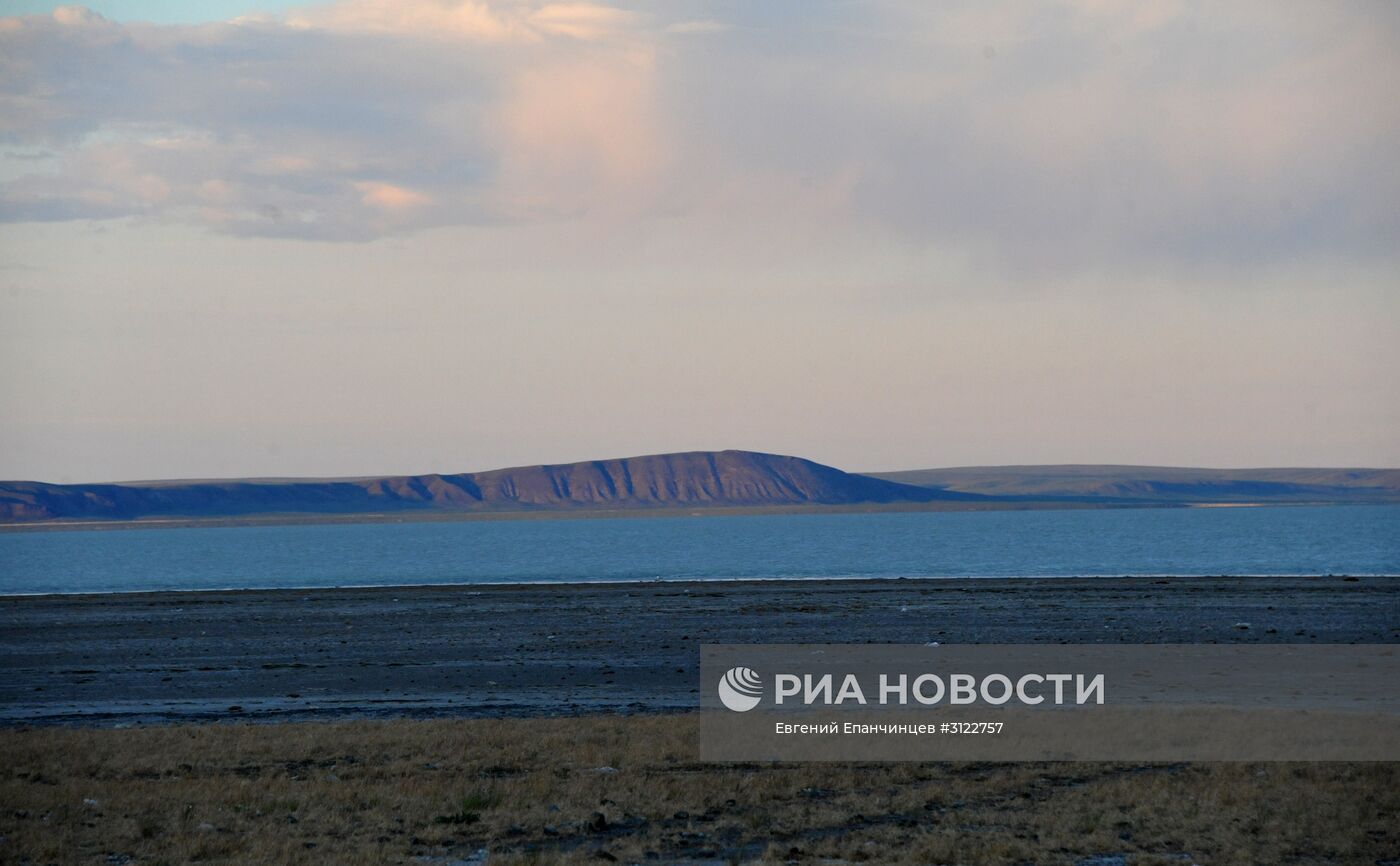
691	478
696	478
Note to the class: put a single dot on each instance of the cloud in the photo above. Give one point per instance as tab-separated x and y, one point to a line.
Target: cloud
1051	135
581	20
390	197
468	19
361	119
698	27
580	132
75	15
1076	135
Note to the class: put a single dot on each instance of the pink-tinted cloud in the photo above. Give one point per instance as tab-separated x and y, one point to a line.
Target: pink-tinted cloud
391	197
1059	134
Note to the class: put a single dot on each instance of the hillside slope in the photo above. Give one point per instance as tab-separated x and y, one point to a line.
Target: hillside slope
690	479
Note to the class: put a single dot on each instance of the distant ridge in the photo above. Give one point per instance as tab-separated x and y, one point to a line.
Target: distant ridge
1161	484
690	479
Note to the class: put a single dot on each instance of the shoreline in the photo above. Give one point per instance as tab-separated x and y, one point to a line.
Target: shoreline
433	516
580	649
502	585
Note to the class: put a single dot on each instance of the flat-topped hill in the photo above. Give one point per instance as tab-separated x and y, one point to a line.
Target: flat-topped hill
689	479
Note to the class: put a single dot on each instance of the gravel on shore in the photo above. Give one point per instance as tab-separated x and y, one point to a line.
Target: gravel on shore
569	649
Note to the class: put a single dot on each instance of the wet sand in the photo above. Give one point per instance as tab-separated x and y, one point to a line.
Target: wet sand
284	655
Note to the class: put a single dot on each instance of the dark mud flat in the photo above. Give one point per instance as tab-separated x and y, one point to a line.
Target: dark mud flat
581	649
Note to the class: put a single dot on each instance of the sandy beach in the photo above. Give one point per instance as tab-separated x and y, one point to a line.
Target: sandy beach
428	652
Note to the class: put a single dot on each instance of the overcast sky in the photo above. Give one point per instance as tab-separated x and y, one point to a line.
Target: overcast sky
395	236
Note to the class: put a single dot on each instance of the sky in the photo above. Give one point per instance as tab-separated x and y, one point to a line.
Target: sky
158	11
402	236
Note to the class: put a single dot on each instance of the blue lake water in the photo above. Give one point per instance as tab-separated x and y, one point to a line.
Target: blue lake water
1178	541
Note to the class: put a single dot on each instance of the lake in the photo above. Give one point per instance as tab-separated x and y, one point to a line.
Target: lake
1165	541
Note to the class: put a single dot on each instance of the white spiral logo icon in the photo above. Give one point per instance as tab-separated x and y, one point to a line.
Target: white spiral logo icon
740	689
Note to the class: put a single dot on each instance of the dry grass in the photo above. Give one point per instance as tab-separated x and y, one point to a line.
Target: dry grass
551	790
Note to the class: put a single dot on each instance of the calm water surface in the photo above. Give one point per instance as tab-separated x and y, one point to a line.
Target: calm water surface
1182	541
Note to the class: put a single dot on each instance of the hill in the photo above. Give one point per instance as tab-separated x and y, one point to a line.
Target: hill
695	479
689	480
1160	484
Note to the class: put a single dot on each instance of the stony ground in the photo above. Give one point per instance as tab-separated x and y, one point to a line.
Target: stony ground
580	649
628	789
